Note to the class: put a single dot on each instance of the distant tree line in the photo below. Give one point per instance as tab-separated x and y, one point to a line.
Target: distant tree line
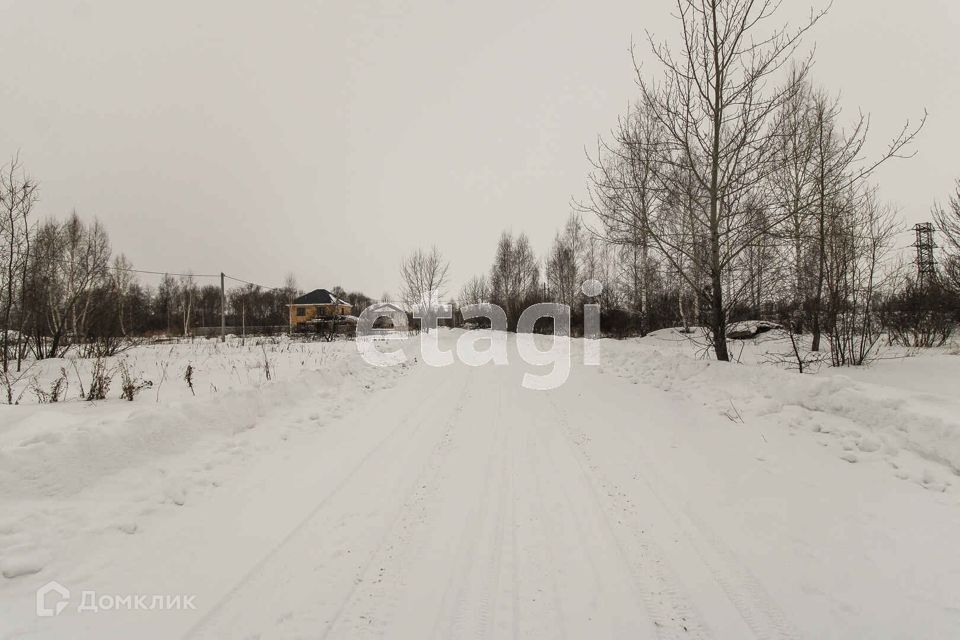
62	288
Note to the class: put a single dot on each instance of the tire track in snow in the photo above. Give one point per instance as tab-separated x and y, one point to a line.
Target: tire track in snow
419	488
748	595
546	533
456	613
667	602
670	614
479	603
257	569
443	502
751	600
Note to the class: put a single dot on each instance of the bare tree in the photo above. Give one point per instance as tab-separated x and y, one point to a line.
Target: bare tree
18	193
598	264
792	190
947	219
860	238
289	291
514	276
716	107
86	258
166	301
188	293
424	275
564	263
622	192
68	265
475	291
834	176
122	279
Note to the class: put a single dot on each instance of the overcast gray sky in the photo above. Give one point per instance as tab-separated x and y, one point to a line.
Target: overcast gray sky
327	139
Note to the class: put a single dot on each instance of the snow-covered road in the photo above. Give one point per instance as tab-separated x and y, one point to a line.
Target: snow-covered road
477	513
458	504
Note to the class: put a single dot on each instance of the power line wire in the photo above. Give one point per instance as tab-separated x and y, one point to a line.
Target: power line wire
166	273
252	284
169	273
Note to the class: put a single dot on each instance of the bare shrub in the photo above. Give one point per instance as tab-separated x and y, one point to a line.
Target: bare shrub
131	382
9	381
797	358
56	392
106	346
100	379
919	316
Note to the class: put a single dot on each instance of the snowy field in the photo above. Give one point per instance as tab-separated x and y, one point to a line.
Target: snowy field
657	495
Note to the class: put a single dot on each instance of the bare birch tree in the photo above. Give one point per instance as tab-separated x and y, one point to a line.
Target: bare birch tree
564	263
18	193
188	294
424	275
122	279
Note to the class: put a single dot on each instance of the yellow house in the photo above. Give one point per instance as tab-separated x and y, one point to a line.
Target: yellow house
318	304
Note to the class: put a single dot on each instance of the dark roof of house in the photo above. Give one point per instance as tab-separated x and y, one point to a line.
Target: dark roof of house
320	296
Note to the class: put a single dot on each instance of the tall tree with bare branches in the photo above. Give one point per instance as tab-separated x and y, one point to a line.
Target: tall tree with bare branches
822	172
18	193
622	193
424	275
475	291
716	106
515	276
947	219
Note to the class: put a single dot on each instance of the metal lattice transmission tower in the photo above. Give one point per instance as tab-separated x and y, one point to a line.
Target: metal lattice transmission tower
926	266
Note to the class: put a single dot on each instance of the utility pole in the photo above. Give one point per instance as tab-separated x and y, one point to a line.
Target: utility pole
223	310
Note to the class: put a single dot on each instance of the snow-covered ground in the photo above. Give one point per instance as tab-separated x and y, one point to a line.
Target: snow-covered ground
656	495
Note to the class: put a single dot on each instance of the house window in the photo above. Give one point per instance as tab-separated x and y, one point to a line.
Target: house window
301	312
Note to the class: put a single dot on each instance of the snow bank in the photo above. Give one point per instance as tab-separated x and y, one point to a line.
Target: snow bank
78	465
870	418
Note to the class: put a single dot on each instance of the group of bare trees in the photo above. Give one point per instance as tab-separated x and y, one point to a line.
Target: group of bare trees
514	281
68	285
738	177
54	275
63	289
519	278
732	188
